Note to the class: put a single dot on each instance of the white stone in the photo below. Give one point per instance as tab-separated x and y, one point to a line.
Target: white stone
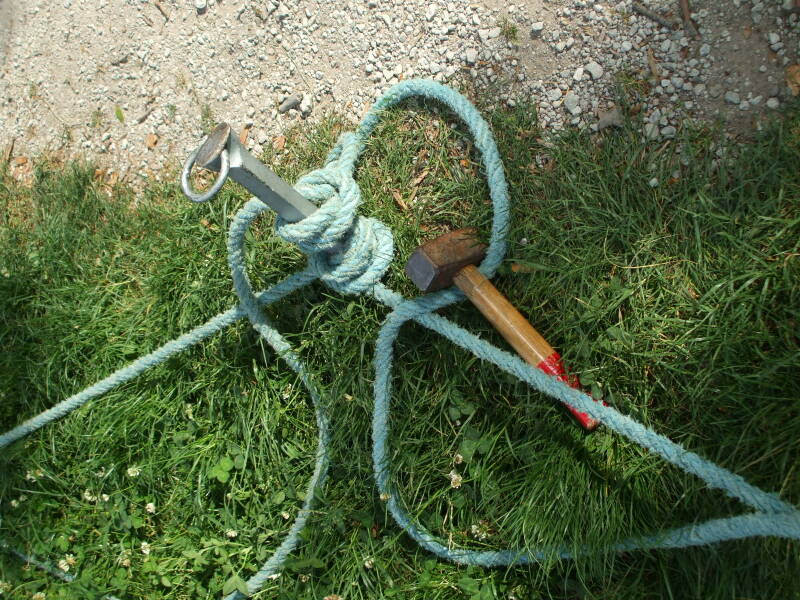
595	70
554	95
571	103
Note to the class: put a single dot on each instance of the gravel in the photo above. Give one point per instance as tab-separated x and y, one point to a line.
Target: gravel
122	71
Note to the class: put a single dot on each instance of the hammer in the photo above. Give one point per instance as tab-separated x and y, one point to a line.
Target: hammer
451	258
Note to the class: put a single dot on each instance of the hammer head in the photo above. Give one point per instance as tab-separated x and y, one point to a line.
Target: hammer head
433	265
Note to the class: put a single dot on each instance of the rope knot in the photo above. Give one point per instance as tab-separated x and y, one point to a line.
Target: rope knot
349	253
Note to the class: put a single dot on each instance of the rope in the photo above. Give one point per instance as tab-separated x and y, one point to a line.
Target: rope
350	253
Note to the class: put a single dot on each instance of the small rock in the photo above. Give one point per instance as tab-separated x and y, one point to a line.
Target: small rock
305	105
578	74
554	95
571	103
537	28
651	131
653	182
756	101
200	5
595	70
610	118
669	131
626	46
774	38
705	50
290	103
471	56
732	98
773	103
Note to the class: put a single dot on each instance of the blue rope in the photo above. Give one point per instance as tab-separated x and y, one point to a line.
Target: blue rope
350	253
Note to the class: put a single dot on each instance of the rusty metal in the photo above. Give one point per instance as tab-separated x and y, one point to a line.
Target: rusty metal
433	265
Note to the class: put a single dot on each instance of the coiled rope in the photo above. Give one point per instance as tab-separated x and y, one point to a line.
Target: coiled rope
350	253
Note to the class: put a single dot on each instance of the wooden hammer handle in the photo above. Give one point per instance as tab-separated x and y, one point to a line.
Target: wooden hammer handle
528	342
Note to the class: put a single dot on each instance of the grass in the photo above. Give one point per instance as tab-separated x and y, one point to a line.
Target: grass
678	304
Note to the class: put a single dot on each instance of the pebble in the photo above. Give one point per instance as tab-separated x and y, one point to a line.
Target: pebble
571	103
653	182
290	103
669	131
578	74
200	5
773	103
537	28
732	98
305	105
651	131
595	70
471	56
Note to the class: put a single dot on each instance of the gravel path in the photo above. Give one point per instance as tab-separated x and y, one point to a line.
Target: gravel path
132	84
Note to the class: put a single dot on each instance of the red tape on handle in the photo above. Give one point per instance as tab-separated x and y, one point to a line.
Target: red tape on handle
552	365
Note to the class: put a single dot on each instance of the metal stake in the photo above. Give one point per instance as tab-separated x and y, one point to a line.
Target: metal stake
222	152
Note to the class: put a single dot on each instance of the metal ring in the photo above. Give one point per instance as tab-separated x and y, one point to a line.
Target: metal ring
186	186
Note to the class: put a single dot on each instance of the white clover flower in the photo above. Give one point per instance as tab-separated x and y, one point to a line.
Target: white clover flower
287	392
369	563
150	507
385	496
304	578
105	497
273	576
38	596
458	459
145	548
88	496
63	565
285	515
480	531
30	476
70	558
231	533
4	587
14	503
455	479
134	471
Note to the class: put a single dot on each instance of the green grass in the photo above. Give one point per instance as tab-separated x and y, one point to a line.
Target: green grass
679	304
